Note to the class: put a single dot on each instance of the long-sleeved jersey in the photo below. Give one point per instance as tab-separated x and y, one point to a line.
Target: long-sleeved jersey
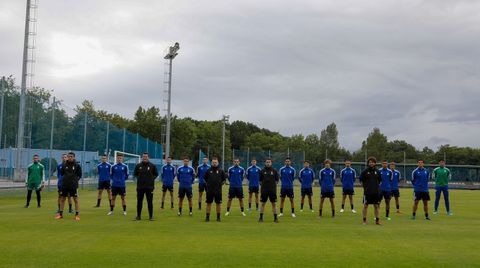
253	176
386	184
186	176
71	174
104	170
441	176
370	179
168	174
59	175
268	180
215	178
146	174
287	175
327	180
395	179
306	177
201	170
420	177
119	175
35	174
347	177
235	176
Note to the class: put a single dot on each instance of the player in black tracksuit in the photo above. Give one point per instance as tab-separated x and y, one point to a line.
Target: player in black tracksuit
370	179
268	191
71	173
214	178
146	174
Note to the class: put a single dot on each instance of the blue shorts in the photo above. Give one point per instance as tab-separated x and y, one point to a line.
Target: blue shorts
387	195
235	192
118	191
396	193
167	187
202	187
182	192
285	192
348	192
253	189
307	191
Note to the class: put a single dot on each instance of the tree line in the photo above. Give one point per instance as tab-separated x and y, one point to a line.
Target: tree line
188	135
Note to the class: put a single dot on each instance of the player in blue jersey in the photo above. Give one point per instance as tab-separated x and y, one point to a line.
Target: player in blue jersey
185	177
236	173
59	185
306	177
287	176
253	177
119	175
167	175
420	177
103	170
386	187
201	170
347	177
327	183
396	176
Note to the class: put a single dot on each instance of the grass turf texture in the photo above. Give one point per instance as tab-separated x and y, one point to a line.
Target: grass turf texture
33	238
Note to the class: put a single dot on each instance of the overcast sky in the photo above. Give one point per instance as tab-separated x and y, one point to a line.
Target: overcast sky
409	67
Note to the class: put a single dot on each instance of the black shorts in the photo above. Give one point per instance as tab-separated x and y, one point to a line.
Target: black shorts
285	192
371	199
253	189
66	192
307	191
327	195
272	196
182	192
214	196
167	188
387	195
104	185
348	192
202	187
235	192
396	193
119	191
425	196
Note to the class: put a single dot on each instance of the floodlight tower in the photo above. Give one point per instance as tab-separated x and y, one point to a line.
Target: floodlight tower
28	72
225	119
172	53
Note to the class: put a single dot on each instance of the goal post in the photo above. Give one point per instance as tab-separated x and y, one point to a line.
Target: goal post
131	160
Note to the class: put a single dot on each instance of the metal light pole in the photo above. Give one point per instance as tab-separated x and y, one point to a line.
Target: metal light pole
3	87
54	103
172	53
224	120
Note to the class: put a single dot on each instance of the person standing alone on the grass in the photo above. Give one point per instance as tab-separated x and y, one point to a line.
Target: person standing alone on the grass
59	185
104	170
167	175
370	179
146	173
71	174
420	177
214	178
119	176
347	177
268	189
201	170
442	175
35	180
395	185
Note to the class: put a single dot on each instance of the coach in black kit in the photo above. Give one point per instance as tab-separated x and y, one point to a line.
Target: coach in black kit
268	191
370	179
146	173
214	178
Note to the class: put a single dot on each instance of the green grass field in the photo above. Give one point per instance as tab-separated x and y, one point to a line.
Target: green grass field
33	238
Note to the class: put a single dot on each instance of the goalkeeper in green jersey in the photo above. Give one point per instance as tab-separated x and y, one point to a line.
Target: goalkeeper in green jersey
442	175
35	180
